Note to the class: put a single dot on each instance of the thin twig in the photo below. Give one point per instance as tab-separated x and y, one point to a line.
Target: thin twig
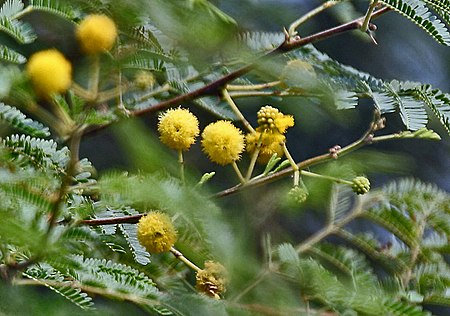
293	27
185	260
236	110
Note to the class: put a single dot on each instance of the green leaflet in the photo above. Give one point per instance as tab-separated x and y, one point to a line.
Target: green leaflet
18	120
417	12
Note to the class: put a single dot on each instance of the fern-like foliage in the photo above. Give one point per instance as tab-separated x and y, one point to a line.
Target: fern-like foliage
56	282
11	56
43	154
115	276
417	12
18	120
54	7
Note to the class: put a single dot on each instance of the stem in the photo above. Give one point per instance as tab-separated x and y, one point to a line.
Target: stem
368	16
181	162
384	138
81	92
415	251
319	176
74	146
249	93
94	76
185	260
162	89
292	28
236	110
238	172
45	116
293	165
253	160
67	124
252	285
317	237
231	87
331	228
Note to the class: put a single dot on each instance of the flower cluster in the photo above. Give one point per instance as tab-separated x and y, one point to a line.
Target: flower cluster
156	232
178	128
96	34
212	279
272	125
50	72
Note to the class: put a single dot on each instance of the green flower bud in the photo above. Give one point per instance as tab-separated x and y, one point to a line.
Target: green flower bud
360	185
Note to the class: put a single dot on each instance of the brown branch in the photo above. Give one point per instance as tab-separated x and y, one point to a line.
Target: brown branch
132	219
214	87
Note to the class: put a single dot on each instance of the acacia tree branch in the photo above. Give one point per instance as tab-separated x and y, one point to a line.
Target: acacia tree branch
366	138
214	88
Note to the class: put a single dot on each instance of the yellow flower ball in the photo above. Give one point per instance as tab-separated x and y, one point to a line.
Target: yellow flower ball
178	128
156	232
212	279
96	34
50	72
272	120
222	142
271	143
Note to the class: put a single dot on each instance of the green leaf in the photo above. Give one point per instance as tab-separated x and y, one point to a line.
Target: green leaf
10	8
18	30
412	112
18	120
115	276
53	280
288	254
41	153
11	56
417	12
139	253
438	102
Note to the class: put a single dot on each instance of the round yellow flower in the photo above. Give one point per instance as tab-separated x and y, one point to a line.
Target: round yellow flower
178	128
50	72
271	119
222	142
271	143
156	232
96	33
212	279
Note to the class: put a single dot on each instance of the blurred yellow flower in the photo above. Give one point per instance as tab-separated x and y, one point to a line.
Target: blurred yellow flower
50	72
156	232
212	279
178	128
222	142
271	143
96	34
